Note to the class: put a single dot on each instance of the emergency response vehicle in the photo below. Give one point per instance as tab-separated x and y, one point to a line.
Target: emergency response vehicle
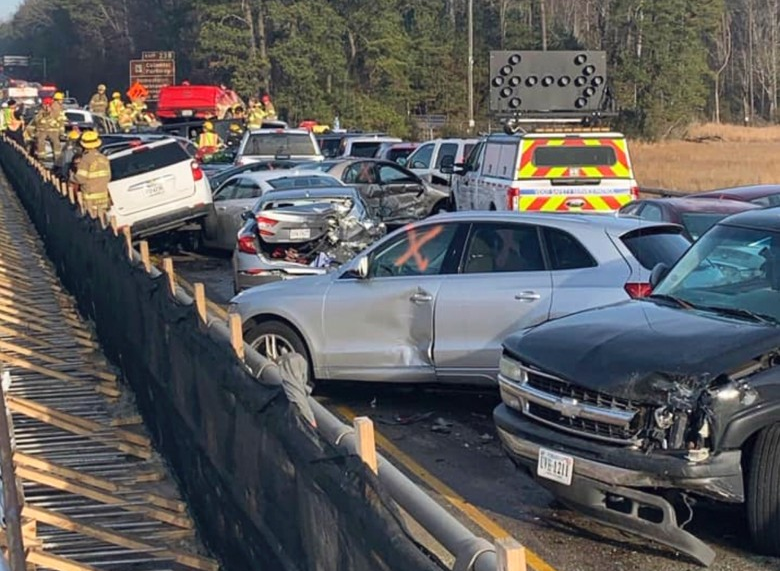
553	169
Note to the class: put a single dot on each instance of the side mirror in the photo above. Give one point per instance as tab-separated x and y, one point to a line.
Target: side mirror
459	169
360	269
658	273
247	215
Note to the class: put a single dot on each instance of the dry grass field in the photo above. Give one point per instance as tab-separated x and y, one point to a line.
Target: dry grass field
710	156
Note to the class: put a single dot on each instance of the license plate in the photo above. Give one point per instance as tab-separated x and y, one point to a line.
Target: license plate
300	234
154	190
556	467
186	113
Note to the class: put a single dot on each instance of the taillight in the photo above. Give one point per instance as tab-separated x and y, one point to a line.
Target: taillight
638	289
264	225
634	192
197	173
246	244
513	199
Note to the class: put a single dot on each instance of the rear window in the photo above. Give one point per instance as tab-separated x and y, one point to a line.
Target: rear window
395	154
364	149
656	245
273	144
697	223
303	182
146	159
574	156
330	147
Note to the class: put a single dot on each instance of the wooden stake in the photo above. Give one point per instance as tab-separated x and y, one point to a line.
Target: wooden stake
144	246
366	442
71	194
103	217
510	555
114	226
168	269
199	292
236	335
12	511
128	240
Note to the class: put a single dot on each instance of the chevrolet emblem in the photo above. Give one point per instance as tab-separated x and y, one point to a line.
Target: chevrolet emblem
568	407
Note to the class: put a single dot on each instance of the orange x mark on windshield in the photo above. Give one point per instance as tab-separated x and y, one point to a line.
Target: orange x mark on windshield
415	244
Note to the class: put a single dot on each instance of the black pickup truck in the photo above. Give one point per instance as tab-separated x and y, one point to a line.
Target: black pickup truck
633	412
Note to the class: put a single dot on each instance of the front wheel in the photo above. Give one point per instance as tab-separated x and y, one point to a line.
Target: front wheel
763	492
274	339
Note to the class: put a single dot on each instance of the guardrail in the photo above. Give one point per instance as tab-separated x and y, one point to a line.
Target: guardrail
663	193
196	383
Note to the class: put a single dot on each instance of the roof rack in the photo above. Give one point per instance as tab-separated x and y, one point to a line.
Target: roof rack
525	122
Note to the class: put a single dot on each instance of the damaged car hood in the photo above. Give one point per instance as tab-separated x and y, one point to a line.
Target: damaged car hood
638	349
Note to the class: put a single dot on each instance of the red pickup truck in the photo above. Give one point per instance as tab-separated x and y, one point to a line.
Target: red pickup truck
188	102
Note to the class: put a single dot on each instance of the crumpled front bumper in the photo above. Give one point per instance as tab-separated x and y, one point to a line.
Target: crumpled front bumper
619	486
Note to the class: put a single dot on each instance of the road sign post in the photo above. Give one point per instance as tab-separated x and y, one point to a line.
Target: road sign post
154	71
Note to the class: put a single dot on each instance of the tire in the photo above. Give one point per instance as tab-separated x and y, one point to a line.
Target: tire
283	331
763	492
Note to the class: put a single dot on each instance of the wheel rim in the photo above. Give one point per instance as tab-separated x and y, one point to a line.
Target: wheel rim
272	346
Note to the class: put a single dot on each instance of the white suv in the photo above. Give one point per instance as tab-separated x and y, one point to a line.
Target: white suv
427	159
157	187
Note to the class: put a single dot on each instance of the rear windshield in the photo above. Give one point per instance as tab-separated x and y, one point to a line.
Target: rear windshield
697	223
303	182
395	154
364	149
574	156
146	159
273	144
330	147
652	246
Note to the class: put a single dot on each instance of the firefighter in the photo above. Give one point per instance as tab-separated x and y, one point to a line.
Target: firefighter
116	106
256	115
58	106
235	135
126	118
99	102
209	141
14	124
270	111
238	112
48	125
93	175
69	152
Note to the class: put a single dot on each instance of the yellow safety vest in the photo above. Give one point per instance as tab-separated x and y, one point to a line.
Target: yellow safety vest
208	140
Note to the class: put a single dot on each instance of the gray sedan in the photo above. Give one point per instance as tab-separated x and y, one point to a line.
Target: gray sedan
237	195
433	301
394	194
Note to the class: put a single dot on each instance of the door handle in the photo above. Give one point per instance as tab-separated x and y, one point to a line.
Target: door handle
421	297
528	296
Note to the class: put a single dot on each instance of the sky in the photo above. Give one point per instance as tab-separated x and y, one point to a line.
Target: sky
7	8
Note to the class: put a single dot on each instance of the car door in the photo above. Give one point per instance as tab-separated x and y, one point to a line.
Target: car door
503	285
381	327
224	193
402	193
230	213
445	150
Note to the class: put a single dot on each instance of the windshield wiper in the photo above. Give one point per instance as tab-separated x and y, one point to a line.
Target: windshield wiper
742	313
675	300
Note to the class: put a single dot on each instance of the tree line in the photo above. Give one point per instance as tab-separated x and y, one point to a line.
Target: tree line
378	63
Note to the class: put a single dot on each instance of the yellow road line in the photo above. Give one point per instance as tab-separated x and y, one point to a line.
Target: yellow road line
458	502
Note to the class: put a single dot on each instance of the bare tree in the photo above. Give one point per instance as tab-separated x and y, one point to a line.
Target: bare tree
720	54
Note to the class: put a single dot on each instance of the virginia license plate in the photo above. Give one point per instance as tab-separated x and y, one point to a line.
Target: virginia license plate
300	234
154	189
554	466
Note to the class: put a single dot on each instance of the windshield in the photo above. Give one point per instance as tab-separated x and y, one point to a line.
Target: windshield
364	149
697	223
273	144
730	269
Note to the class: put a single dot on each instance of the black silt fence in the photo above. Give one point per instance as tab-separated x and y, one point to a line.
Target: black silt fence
266	492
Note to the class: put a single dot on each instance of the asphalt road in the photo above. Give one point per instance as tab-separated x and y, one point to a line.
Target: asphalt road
445	440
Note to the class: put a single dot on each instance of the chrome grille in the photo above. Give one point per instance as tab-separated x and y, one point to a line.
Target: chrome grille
575	409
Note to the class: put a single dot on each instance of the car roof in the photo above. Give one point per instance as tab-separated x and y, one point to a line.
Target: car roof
714	205
318	192
282	173
279	130
610	222
749	192
147	145
375	139
761	218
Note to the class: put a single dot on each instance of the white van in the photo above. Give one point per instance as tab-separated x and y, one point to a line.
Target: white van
426	160
547	171
157	187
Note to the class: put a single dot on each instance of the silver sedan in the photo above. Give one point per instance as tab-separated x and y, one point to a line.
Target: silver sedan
237	195
433	301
